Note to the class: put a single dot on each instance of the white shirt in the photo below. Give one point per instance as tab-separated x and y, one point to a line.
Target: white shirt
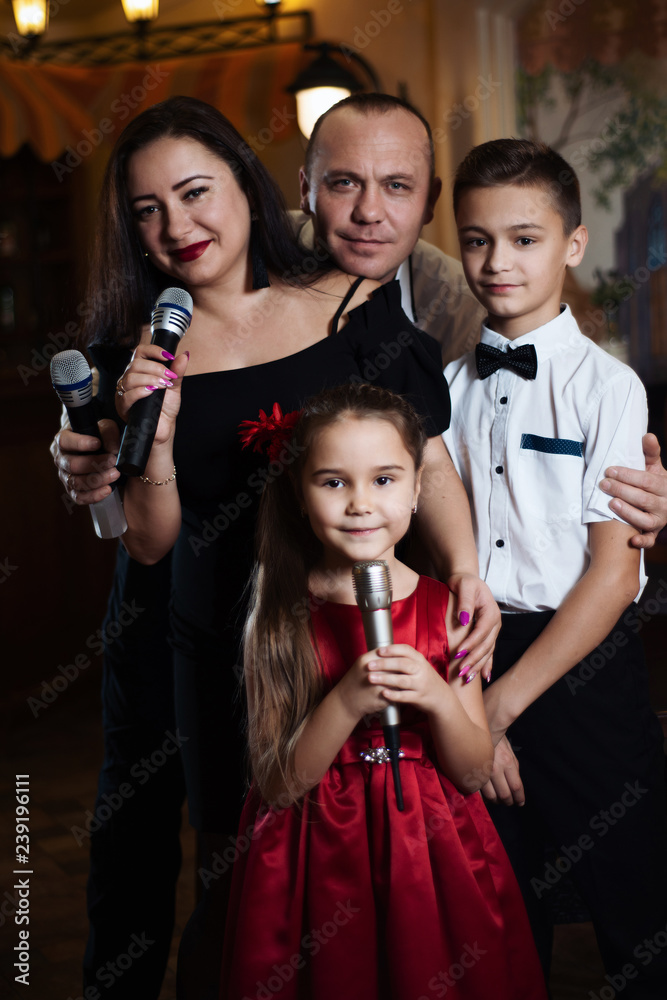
531	505
434	294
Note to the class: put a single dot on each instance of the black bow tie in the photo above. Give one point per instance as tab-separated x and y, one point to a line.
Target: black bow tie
522	360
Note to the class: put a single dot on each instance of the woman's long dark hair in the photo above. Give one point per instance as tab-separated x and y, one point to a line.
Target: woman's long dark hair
279	660
123	285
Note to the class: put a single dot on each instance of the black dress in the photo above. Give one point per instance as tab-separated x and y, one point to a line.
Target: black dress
220	485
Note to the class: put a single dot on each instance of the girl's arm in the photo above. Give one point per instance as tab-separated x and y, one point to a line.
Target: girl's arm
585	617
153	513
445	525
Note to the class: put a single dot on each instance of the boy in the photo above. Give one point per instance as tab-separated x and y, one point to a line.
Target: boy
539	412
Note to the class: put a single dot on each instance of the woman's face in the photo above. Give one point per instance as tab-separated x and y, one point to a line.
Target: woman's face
192	217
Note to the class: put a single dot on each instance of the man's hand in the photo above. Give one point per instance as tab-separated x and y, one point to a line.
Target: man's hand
505	784
475	603
86	477
641	497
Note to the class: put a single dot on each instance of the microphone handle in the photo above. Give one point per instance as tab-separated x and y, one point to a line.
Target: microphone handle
144	417
107	514
379	631
83	420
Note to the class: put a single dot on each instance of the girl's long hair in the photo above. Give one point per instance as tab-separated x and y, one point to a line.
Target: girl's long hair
280	662
123	285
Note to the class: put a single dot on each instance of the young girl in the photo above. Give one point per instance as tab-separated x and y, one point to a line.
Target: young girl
336	894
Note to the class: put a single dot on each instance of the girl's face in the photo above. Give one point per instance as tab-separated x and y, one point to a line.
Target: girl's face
192	217
359	485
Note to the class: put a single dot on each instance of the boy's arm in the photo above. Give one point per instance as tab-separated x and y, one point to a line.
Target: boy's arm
445	526
586	616
641	496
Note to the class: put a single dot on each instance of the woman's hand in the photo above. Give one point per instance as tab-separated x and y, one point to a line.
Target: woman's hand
475	604
87	478
151	369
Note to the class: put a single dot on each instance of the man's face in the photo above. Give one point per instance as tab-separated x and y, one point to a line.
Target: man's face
369	189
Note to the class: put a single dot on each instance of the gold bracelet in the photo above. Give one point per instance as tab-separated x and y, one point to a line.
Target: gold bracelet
162	482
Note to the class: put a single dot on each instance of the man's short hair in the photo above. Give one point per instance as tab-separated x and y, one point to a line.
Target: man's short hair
526	164
371	104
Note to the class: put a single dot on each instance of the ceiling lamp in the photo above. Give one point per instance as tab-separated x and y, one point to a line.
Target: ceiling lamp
140	10
31	16
325	82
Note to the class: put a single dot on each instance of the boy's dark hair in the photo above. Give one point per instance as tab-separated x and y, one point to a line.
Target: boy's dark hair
367	104
524	163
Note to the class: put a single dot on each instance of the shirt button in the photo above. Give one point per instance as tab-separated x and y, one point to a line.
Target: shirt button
499	469
500	543
503	399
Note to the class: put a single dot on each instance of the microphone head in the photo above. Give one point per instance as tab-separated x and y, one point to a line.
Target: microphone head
172	312
372	584
71	378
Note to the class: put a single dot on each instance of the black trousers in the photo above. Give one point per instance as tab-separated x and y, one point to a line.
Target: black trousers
591	758
135	852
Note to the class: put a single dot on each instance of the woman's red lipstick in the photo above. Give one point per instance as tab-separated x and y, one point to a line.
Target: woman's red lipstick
192	252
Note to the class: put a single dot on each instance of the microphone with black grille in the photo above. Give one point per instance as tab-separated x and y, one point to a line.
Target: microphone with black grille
73	381
372	590
170	319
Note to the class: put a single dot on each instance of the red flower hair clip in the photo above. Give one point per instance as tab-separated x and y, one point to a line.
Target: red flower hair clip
273	431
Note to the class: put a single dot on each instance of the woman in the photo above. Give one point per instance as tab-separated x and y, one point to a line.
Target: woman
186	202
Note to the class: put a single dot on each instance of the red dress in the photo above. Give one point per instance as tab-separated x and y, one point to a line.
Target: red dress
346	898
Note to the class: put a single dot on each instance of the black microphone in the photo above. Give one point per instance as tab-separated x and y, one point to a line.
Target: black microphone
372	590
170	319
73	381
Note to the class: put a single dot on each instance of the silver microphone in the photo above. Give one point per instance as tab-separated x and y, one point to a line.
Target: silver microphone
372	590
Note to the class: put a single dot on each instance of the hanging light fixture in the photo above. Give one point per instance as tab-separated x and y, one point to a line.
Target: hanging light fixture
140	10
325	82
31	16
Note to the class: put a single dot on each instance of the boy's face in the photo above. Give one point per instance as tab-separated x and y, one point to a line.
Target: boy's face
514	254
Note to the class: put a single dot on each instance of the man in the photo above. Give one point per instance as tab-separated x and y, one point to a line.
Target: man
369	184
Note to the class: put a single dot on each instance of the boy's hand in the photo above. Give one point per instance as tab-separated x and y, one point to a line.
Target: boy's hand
475	604
641	496
404	676
505	784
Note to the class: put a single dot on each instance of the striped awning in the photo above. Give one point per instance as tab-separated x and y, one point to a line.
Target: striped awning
53	108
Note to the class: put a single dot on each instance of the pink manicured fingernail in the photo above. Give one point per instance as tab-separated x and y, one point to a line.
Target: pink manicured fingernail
488	679
169	374
163	381
152	388
470	677
461	654
187	354
465	670
167	355
464	618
